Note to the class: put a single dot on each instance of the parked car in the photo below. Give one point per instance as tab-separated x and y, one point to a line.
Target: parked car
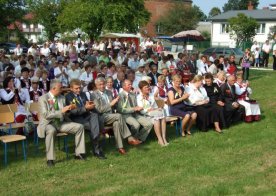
225	52
9	48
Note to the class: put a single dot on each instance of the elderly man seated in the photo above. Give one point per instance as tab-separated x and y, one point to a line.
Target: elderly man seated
104	104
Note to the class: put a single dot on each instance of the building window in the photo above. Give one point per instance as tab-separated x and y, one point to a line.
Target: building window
261	28
224	28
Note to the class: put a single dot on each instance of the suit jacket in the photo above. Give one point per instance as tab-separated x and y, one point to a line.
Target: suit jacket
153	82
213	92
47	112
80	113
100	103
116	85
192	66
228	95
124	106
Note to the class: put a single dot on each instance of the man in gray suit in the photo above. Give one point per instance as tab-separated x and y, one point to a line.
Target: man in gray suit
104	104
52	114
128	107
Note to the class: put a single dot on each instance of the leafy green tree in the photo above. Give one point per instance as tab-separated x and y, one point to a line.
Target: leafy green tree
179	18
10	11
46	13
272	33
97	16
239	5
214	12
242	28
200	14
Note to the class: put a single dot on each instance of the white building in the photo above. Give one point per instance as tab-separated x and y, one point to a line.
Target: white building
219	32
32	32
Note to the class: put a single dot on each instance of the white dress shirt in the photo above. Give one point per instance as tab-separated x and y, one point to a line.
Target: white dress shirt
196	95
73	74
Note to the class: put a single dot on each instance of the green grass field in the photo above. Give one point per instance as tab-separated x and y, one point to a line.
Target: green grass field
242	161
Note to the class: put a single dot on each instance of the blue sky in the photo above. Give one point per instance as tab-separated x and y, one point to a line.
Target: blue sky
207	5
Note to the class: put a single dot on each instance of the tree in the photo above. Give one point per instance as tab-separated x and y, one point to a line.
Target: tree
179	18
11	11
96	16
214	12
46	13
239	5
242	28
200	13
272	33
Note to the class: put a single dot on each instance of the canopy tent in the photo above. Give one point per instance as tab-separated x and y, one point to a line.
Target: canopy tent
124	36
184	36
119	35
190	35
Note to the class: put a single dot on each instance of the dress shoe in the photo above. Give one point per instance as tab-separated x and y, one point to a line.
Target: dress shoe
134	142
80	157
100	155
122	151
50	163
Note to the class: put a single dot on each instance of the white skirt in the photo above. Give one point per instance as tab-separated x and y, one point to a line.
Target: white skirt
250	108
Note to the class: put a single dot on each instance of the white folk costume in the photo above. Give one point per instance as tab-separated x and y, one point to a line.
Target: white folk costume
252	108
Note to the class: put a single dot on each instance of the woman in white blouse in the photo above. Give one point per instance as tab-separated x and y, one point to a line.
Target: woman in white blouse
151	110
206	113
86	76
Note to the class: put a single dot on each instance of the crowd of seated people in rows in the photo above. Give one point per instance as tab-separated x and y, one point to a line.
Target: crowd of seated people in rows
75	97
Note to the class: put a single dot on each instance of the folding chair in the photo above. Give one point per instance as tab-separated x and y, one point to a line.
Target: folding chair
11	108
34	108
8	118
171	119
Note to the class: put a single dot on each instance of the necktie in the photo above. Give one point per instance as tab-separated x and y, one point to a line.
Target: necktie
130	101
79	101
56	107
105	98
205	68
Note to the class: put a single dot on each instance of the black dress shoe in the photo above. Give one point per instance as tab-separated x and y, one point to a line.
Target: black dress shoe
100	155
50	163
81	157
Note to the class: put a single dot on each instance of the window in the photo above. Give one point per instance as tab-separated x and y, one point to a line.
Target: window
224	28
219	51
228	51
261	28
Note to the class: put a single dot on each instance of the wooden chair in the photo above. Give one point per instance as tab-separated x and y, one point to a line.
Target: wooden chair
8	118
13	125
171	119
34	108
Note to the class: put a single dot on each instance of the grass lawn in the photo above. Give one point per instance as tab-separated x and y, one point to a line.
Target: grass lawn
242	161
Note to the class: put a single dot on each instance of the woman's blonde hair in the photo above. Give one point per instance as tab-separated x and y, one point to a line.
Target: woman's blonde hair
161	78
176	77
197	78
239	76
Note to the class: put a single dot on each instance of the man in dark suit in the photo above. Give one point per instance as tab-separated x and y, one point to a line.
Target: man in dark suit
118	82
154	75
85	114
192	64
234	112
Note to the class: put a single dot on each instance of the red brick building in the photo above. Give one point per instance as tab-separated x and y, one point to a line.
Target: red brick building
159	8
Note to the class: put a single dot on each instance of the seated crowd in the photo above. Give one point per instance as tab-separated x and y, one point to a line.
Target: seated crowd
122	88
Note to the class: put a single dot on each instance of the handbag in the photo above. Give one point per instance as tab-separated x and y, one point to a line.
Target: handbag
156	113
246	64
